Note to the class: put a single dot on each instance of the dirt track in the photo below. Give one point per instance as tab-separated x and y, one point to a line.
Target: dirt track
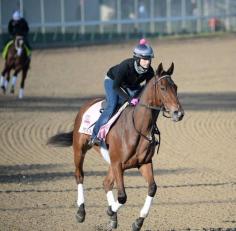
196	166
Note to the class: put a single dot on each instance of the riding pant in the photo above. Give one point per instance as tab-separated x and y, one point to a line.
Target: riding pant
112	100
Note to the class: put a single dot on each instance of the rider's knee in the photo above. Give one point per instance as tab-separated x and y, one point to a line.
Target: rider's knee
122	198
152	189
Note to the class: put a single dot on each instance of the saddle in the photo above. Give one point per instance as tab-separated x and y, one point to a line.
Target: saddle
92	115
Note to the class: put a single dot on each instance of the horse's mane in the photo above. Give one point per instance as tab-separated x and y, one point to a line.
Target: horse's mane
147	86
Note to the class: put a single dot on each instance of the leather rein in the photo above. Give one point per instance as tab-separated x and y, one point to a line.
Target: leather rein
153	140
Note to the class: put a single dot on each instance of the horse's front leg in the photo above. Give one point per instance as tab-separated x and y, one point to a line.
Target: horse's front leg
22	84
14	78
147	172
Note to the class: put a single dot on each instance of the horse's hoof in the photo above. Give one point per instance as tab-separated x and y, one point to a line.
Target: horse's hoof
113	223
113	218
137	225
80	215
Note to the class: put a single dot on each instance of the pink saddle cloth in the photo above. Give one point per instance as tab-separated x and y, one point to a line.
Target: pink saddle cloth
92	115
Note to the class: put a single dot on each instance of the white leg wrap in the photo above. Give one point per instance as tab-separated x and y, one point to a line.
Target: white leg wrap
144	211
13	81
21	93
115	206
80	199
2	81
110	198
5	83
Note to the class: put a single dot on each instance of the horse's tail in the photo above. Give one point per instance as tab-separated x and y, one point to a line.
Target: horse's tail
61	139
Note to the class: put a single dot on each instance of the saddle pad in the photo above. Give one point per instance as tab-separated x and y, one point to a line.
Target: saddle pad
5	49
106	127
91	116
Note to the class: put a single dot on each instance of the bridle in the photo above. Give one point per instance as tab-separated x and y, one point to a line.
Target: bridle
161	108
153	140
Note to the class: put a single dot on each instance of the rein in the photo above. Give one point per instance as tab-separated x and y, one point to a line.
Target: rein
154	129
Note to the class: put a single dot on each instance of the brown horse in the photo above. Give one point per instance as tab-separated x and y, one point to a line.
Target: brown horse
131	143
18	60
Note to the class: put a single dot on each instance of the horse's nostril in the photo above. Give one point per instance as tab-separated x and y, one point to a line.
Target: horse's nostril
176	113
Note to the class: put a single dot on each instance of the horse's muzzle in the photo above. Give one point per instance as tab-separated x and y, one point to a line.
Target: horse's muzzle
177	115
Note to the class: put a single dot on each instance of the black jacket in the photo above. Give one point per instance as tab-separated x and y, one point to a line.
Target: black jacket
19	27
125	76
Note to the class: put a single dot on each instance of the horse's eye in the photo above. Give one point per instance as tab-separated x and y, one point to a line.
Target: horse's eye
163	88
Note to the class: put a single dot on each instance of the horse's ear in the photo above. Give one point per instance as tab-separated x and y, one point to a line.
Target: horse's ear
171	69
159	69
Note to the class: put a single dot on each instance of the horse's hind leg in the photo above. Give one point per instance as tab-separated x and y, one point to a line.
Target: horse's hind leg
79	154
147	172
3	81
2	84
7	80
108	184
2	78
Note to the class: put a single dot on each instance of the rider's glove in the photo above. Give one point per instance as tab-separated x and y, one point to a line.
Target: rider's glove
134	101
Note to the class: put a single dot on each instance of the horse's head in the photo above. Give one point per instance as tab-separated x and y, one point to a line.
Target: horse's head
19	42
167	93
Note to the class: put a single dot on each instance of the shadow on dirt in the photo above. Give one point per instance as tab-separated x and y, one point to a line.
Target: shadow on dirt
49	172
36	173
191	101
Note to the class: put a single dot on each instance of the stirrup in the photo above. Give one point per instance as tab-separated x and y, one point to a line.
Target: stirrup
93	141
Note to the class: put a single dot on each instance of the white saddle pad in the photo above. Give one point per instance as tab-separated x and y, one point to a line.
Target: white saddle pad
91	116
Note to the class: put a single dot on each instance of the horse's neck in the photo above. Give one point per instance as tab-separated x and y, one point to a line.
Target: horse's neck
150	95
148	98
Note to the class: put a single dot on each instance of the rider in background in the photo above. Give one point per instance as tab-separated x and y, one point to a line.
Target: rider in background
124	82
18	26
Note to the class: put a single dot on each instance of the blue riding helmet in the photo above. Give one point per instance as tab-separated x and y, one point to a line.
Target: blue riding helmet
143	51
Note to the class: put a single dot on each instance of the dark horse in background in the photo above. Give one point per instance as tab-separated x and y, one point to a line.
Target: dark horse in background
18	60
131	143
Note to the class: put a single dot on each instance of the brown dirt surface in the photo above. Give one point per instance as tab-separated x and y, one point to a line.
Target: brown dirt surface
196	166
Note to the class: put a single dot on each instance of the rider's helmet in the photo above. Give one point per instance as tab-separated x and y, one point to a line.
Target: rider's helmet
16	15
143	51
